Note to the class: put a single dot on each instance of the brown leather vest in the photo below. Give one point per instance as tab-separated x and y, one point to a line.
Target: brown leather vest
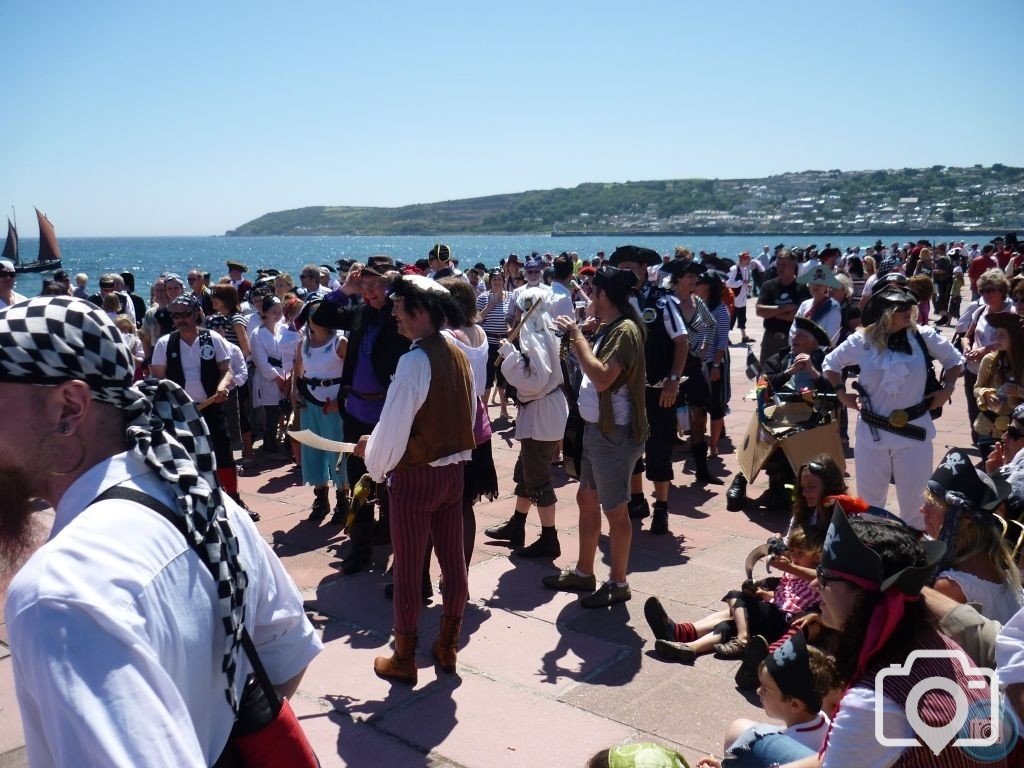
443	425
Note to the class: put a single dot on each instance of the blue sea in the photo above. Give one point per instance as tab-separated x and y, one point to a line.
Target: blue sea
147	257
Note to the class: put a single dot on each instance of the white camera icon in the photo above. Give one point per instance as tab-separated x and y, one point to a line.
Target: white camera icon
981	733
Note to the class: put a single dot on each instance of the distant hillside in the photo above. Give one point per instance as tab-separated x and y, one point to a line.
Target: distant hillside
909	199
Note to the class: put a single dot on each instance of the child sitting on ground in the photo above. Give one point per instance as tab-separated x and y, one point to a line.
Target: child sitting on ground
798	686
755	610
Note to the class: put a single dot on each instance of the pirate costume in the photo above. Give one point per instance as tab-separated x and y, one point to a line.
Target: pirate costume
997	389
895	430
664	326
95	605
424	434
884	678
972	495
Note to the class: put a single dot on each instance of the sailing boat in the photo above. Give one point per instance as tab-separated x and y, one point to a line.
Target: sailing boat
49	250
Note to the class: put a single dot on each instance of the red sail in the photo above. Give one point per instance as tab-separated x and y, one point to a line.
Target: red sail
49	250
11	246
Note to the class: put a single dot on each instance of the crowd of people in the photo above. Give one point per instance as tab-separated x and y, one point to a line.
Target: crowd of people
606	366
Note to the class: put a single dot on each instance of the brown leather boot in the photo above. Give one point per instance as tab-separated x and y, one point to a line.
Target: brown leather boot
447	643
402	664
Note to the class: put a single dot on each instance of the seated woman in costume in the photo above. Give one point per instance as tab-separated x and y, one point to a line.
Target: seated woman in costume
960	505
798	367
871	576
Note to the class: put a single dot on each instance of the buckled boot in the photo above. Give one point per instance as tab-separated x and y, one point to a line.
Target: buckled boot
736	496
401	665
447	643
700	463
321	506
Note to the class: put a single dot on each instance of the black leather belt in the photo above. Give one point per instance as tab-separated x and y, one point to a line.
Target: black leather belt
898	422
321	382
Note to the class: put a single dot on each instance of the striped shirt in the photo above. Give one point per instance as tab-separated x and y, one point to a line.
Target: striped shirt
795	596
225	326
720	338
701	327
493	323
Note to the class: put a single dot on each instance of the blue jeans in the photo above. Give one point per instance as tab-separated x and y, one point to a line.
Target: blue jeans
757	748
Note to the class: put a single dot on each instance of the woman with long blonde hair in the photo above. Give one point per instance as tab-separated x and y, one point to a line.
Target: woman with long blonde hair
960	505
897	390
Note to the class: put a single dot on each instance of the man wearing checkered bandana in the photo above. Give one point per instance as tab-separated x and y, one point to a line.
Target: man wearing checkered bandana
126	649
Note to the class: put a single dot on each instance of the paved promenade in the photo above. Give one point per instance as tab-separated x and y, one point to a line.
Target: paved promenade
542	681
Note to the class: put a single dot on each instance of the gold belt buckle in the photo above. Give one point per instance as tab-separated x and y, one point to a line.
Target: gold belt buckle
898	419
1001	423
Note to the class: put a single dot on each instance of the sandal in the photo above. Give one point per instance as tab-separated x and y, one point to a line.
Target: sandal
734	649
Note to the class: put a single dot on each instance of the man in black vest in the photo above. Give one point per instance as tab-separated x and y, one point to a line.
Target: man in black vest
374	346
665	349
199	361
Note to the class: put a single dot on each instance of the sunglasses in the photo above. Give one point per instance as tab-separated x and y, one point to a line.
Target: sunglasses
991	289
181	315
1013	433
8	275
824	578
194	278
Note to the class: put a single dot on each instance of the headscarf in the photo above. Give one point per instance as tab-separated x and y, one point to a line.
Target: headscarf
49	340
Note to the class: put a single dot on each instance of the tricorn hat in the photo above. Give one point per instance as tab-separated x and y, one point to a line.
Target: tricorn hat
819	274
845	554
679	267
820	334
635	254
441	252
617	282
232	264
956	474
891	293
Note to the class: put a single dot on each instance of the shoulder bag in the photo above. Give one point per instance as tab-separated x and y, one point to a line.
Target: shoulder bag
266	731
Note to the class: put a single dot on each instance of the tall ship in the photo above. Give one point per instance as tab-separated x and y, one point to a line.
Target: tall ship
49	249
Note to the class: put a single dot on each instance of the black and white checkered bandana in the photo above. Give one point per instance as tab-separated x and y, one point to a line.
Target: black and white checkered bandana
50	340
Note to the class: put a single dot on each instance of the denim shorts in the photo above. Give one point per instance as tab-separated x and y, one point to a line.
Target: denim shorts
763	746
608	462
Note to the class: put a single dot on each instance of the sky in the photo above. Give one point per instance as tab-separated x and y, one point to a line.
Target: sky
191	118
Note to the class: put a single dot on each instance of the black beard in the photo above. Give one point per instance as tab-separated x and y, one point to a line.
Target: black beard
16	529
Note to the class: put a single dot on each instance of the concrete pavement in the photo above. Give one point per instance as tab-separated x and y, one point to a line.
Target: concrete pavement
541	681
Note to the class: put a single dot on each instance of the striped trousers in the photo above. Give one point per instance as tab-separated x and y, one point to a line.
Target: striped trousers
426	504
